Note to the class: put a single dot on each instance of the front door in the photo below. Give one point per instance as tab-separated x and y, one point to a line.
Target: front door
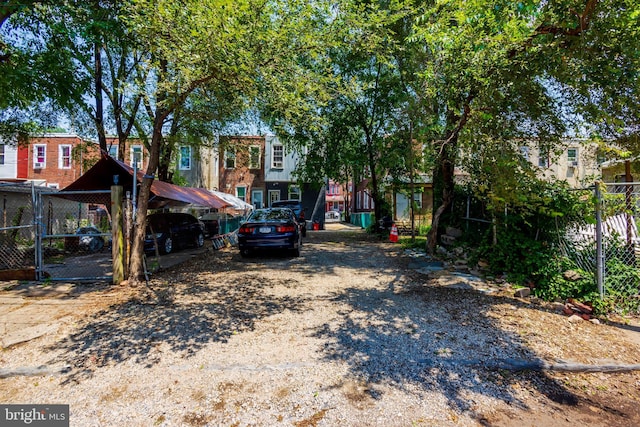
274	196
257	198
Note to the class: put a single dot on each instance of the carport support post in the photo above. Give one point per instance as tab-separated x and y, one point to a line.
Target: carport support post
117	234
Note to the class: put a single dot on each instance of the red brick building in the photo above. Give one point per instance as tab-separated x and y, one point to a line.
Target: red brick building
241	168
55	160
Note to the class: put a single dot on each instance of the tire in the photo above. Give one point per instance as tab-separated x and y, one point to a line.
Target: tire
167	247
200	240
245	253
95	245
296	251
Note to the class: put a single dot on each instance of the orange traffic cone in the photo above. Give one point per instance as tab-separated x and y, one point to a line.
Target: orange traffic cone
393	236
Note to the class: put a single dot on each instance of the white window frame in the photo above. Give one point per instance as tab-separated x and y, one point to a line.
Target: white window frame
62	156
294	193
37	163
182	165
572	160
543	159
137	148
277	160
244	188
113	151
229	156
255	165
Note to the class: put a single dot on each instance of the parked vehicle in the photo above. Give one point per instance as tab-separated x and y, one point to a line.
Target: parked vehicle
91	239
213	221
173	231
269	229
297	209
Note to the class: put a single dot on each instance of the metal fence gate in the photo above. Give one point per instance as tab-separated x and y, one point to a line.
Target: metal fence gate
17	229
73	236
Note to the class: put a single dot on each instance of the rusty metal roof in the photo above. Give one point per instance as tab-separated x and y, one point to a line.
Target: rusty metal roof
109	171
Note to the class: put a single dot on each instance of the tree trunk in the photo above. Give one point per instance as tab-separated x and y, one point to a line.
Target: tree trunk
444	175
99	117
136	270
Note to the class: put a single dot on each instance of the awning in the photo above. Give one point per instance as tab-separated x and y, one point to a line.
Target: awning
334	198
235	202
109	171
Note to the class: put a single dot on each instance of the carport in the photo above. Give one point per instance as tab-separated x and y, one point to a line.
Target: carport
111	183
109	171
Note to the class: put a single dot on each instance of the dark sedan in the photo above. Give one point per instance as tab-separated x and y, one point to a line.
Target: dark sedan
171	231
270	229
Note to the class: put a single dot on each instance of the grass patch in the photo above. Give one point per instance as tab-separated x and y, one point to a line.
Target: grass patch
419	243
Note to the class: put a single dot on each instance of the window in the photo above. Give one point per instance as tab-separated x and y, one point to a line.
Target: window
543	159
229	159
39	156
185	158
524	151
113	151
417	200
241	193
64	157
277	156
254	157
136	156
572	157
294	192
2	154
333	190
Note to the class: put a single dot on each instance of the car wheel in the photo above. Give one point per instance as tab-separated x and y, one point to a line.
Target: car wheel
200	240
95	244
244	253
167	248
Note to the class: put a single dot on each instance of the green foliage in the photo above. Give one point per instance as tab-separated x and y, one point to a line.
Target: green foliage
178	179
417	244
554	286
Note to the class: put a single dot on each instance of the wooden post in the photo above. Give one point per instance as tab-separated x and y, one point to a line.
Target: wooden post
117	235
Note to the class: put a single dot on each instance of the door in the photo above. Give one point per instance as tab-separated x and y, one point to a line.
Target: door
274	196
257	198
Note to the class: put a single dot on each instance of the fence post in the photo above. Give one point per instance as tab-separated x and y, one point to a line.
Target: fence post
599	252
117	235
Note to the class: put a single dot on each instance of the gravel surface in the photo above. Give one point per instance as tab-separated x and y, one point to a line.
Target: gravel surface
355	332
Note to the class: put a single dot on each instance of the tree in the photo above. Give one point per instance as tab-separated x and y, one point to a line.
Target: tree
35	77
221	46
494	65
347	120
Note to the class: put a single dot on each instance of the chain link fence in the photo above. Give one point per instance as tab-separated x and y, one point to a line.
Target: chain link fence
610	248
620	245
17	230
74	238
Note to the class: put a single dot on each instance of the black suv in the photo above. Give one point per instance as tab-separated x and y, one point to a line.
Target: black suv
172	231
297	209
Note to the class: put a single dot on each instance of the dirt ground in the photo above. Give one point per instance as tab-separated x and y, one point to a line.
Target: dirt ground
354	332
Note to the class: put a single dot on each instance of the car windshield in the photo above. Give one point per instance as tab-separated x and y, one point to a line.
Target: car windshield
270	215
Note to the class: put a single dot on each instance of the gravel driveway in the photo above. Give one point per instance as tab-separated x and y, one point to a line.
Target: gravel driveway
349	334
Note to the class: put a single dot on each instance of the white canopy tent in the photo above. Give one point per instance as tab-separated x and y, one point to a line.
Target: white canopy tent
235	202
